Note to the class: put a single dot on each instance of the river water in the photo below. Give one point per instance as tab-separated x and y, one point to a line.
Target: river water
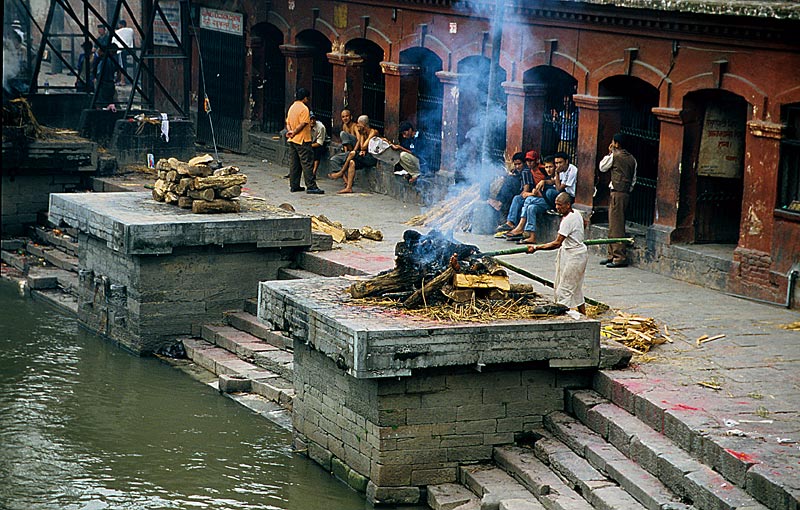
86	425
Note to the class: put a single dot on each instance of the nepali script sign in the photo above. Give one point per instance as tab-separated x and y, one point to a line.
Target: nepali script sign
161	35
722	143
222	21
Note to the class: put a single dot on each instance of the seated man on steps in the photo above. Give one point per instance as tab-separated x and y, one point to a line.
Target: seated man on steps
359	157
348	138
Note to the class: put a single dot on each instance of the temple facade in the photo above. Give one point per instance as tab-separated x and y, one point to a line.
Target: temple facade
708	96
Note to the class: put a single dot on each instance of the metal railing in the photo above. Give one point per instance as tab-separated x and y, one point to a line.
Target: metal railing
322	99
641	208
373	104
429	123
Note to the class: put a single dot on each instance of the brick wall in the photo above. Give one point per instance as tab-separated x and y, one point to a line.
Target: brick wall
393	436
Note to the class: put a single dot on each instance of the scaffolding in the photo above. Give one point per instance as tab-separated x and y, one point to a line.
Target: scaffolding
157	18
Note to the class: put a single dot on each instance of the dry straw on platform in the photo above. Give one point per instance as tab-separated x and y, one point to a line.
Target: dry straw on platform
477	310
635	332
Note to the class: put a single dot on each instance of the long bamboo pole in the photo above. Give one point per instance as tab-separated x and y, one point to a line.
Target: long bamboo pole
588	242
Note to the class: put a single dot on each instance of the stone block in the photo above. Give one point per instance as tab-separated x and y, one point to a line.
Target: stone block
234	383
434	475
448	496
392	495
390	474
339	468
320	455
357	481
520	504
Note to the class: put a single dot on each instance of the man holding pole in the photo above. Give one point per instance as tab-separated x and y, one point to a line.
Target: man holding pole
623	176
572	255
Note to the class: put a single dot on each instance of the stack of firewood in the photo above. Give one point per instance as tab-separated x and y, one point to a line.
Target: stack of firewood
194	185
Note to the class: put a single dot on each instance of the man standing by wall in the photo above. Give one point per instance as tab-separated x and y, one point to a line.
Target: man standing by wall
301	155
623	177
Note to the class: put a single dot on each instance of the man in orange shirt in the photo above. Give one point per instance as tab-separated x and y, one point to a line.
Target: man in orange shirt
301	155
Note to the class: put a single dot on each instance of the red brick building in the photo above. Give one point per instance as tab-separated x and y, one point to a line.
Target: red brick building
708	95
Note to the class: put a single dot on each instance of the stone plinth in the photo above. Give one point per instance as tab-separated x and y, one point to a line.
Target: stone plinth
150	271
392	402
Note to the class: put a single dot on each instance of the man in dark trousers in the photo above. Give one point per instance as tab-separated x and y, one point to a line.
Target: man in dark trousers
301	155
622	166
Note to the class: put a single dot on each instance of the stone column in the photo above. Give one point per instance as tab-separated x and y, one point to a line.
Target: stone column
449	119
753	269
526	104
670	156
348	82
598	119
402	87
299	68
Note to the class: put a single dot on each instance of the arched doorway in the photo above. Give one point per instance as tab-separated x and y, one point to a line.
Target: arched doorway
474	118
322	75
429	100
268	83
559	115
642	131
373	95
712	181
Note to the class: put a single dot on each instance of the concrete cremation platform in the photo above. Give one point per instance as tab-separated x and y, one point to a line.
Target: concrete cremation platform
393	402
149	271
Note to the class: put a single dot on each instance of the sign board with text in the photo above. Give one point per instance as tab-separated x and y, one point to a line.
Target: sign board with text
722	142
161	35
222	21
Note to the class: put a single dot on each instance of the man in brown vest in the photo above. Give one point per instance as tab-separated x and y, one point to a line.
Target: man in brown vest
623	177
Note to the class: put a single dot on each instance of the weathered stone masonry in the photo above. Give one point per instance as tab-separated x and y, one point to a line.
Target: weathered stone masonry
392	403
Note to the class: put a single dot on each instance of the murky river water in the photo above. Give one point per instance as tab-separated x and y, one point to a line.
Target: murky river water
85	425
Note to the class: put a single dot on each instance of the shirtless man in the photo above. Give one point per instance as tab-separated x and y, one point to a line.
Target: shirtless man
359	157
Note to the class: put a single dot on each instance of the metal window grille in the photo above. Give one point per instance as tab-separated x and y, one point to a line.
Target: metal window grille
641	128
430	125
789	189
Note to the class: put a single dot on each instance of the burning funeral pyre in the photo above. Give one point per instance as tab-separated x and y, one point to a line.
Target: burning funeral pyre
451	281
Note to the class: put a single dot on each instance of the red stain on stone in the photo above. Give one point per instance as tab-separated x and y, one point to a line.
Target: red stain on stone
744	457
684	407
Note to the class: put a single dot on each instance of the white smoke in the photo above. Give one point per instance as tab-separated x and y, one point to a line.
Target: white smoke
11	61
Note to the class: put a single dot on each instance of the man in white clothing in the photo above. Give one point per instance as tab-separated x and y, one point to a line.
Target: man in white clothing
123	40
572	255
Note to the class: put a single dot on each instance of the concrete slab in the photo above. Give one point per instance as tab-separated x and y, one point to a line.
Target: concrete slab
135	224
375	341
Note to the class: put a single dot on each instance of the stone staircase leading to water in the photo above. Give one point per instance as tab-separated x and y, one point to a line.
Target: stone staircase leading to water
247	356
599	456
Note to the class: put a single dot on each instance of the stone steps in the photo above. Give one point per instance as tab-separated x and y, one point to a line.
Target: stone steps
679	416
238	375
494	486
253	349
659	455
247	321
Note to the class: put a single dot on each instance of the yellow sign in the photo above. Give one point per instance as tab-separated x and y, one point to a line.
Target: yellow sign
340	16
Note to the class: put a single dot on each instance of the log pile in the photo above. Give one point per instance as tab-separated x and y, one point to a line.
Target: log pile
194	185
432	270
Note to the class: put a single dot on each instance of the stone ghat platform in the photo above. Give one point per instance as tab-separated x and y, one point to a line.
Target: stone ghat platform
377	341
394	402
150	271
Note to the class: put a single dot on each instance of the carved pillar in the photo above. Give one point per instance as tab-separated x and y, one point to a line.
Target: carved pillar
670	157
526	104
348	82
449	119
402	86
299	68
598	119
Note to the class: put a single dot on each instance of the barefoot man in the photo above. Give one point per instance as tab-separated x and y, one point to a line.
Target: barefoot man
359	157
572	255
